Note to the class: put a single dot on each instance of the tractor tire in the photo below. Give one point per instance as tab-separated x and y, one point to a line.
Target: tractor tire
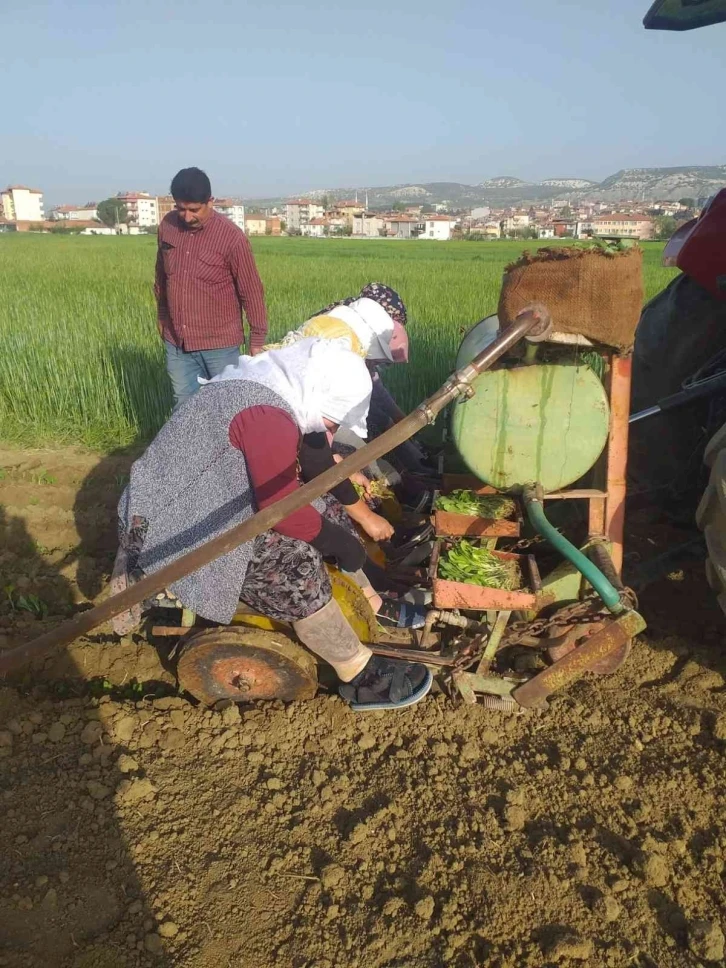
711	515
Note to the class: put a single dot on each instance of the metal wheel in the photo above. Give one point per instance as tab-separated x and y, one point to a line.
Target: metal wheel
245	664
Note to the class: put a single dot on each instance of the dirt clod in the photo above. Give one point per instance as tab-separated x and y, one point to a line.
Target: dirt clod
425	908
706	940
568	944
126	764
153	944
91	733
719	727
332	876
56	732
139	789
655	870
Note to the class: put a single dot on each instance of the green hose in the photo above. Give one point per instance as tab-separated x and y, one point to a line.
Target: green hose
538	520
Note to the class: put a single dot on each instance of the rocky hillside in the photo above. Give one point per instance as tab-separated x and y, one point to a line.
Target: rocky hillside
650	183
647	184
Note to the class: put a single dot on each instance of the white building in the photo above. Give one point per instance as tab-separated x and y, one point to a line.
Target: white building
316	228
300	211
22	204
99	229
232	210
545	232
142	209
438	227
75	213
516	222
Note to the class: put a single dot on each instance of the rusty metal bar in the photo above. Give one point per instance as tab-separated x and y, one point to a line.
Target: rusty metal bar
495	637
617	460
532	321
574	665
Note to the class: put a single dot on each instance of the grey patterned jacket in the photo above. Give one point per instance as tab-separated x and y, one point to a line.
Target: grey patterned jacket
191	485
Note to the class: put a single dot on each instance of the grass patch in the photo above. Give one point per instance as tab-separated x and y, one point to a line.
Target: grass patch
82	361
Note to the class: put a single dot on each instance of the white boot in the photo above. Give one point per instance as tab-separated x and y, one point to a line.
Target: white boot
328	634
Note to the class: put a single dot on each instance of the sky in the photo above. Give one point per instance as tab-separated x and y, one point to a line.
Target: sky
276	98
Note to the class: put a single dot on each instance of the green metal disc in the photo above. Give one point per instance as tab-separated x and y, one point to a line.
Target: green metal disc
545	423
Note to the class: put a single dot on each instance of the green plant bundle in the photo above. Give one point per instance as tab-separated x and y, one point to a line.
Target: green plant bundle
476	565
376	489
494	507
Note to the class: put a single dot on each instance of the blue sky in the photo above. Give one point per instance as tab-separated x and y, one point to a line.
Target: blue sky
275	98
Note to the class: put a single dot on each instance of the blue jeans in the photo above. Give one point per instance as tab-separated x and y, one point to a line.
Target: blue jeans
184	367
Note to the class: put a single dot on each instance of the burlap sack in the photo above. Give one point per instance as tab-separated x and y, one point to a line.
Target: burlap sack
586	291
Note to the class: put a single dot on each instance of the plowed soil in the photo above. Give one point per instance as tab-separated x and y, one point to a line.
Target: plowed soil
138	829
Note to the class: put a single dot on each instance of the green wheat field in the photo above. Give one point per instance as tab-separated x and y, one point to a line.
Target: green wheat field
82	362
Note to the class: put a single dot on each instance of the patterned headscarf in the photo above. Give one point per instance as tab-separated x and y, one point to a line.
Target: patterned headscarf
383	295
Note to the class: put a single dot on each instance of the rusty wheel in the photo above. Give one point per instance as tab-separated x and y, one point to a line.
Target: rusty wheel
244	664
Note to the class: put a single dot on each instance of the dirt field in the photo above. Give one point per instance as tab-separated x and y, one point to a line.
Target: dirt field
139	830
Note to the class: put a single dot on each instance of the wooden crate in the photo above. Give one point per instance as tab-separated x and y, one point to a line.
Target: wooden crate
457	594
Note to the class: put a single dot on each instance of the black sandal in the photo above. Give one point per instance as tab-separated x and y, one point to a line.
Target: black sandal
387	684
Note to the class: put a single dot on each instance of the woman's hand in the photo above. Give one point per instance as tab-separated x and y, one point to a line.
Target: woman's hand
358	478
376	527
362	481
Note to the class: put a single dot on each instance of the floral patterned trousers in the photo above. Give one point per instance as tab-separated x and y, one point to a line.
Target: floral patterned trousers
286	578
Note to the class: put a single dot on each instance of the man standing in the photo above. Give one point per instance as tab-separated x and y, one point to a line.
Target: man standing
206	278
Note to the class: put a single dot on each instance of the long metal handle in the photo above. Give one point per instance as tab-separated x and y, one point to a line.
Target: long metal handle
695	391
531	320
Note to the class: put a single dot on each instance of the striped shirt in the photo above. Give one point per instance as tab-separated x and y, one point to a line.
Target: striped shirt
205	279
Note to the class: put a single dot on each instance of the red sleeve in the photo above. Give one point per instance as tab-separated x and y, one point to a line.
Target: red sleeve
250	291
272	467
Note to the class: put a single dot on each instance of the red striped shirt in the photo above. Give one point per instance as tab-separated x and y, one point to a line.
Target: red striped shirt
205	280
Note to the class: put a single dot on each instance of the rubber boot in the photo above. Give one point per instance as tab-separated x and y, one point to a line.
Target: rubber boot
328	634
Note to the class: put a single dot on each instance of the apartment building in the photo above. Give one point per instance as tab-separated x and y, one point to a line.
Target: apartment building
164	205
142	209
299	211
256	223
232	210
625	226
22	204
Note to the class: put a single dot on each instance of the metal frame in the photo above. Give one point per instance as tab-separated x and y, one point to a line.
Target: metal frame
606	511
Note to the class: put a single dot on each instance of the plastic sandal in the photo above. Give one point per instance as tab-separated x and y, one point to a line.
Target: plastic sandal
387	684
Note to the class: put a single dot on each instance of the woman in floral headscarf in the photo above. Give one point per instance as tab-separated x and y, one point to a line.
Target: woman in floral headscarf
381	340
384	411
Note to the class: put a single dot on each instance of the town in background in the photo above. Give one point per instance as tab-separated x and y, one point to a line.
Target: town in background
134	213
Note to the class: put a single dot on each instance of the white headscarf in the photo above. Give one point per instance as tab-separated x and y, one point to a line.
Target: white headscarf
371	324
317	378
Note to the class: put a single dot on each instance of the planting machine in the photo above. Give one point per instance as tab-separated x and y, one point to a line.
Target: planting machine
548	424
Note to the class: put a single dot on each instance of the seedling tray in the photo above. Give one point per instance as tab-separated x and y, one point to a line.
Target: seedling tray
451	524
458	594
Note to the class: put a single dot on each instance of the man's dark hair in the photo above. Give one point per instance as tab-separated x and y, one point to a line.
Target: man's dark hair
191	185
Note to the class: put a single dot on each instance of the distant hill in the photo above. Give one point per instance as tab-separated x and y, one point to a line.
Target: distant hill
664	183
646	184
